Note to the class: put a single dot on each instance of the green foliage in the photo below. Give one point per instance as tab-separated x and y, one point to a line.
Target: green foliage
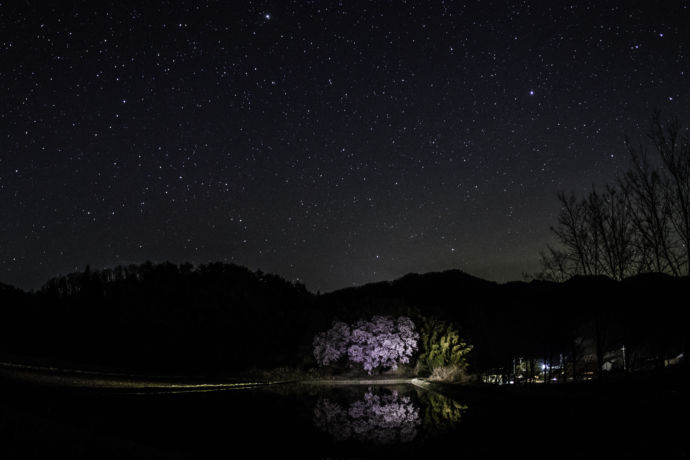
442	345
442	412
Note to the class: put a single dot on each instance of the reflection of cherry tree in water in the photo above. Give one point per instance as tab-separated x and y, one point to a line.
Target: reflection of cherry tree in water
381	419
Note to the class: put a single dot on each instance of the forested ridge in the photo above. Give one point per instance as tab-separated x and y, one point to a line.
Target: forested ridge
220	318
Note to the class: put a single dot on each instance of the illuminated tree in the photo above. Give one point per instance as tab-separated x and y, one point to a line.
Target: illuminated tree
331	345
444	352
381	342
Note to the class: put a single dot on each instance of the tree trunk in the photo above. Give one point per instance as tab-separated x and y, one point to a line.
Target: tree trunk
600	349
660	358
531	370
574	357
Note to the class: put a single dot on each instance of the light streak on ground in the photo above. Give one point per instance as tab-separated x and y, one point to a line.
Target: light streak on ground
136	384
76	378
359	382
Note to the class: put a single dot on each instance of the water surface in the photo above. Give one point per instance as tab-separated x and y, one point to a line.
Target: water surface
321	421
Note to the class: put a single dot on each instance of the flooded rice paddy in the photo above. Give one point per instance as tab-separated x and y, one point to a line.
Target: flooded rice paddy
335	421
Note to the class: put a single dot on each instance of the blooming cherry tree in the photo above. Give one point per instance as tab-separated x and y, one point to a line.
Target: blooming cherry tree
331	345
381	342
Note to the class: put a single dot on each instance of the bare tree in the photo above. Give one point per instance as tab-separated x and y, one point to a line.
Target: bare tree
640	225
573	232
556	265
610	222
644	189
596	236
674	151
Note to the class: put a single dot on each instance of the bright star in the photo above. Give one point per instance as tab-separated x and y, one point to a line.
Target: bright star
531	92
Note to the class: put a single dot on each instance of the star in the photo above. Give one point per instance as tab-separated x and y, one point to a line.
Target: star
384	136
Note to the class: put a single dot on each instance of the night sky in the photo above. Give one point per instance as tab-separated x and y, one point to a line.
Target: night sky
334	143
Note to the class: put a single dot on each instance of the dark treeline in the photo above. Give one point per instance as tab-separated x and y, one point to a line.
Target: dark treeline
220	318
162	317
639	223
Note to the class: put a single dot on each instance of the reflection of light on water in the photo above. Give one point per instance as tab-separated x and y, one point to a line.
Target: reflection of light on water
388	418
441	413
381	419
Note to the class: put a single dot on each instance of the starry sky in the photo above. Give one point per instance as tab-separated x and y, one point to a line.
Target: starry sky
332	143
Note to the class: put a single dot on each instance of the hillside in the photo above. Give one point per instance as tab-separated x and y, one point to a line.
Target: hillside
215	317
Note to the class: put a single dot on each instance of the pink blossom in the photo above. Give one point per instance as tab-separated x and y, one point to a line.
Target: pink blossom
381	342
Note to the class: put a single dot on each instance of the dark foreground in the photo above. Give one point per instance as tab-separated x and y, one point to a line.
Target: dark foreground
624	420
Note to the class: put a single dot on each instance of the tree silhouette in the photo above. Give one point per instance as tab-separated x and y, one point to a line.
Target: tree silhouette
640	224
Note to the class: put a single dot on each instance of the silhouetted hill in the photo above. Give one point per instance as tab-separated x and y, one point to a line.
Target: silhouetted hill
9	294
445	290
216	317
165	317
586	315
